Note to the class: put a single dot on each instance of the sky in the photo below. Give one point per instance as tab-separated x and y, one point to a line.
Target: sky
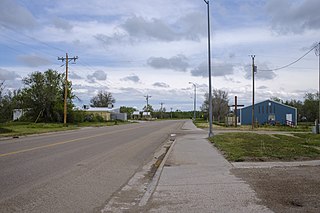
156	47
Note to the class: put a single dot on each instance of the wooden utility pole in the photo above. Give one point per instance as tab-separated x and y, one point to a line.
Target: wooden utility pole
147	98
161	109
66	86
253	71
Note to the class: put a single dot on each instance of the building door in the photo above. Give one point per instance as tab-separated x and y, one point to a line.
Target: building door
271	119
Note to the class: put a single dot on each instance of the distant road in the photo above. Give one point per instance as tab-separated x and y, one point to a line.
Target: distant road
75	171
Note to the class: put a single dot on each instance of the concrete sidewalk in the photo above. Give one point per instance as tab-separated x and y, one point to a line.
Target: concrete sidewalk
197	178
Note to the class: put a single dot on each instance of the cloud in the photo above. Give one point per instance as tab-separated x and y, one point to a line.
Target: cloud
97	75
8	75
160	84
177	63
33	60
262	87
290	16
190	27
155	28
134	78
62	24
73	75
115	38
217	69
13	15
261	74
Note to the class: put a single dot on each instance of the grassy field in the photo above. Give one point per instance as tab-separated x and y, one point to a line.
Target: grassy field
302	127
263	147
13	129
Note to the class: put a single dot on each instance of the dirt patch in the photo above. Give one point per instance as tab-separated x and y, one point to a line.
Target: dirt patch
288	189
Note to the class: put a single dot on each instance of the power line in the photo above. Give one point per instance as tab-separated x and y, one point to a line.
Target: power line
279	68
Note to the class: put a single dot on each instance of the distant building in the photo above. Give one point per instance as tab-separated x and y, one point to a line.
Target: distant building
106	113
269	112
136	115
17	114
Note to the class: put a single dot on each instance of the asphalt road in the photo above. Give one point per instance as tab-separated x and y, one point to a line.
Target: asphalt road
75	171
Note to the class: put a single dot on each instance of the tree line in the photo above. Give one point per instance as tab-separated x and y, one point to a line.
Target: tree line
42	99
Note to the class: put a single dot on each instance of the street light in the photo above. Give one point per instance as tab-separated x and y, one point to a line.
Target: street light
209	64
194	100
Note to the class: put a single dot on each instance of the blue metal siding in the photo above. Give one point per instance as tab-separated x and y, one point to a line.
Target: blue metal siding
265	110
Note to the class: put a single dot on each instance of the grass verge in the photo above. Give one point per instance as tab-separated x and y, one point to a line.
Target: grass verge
262	147
13	129
300	128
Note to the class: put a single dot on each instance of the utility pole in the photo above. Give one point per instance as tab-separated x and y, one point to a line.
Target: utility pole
161	109
147	98
66	86
209	64
254	69
319	80
171	112
317	52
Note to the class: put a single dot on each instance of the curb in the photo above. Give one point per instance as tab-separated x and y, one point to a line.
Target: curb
152	186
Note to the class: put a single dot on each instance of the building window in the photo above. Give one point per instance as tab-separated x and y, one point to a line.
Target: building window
274	109
267	109
262	109
270	109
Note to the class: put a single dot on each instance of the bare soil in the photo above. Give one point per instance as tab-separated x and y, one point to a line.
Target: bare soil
285	189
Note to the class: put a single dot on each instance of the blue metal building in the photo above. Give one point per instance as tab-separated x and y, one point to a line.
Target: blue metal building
269	112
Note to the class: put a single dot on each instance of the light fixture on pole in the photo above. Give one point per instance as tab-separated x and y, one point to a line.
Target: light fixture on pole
209	65
194	100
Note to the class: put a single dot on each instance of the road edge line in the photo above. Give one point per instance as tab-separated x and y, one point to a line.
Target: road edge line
155	180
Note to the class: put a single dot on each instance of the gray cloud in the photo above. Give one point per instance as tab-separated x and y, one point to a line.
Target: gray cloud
97	75
217	69
14	15
73	75
262	87
8	75
155	28
134	78
178	63
290	16
33	60
62	24
160	84
261	75
190	27
115	38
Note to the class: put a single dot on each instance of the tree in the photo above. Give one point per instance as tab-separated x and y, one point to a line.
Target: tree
43	96
311	106
148	108
128	110
102	99
220	102
276	99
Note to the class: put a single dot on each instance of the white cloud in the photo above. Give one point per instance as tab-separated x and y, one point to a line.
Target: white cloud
14	15
134	78
8	75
